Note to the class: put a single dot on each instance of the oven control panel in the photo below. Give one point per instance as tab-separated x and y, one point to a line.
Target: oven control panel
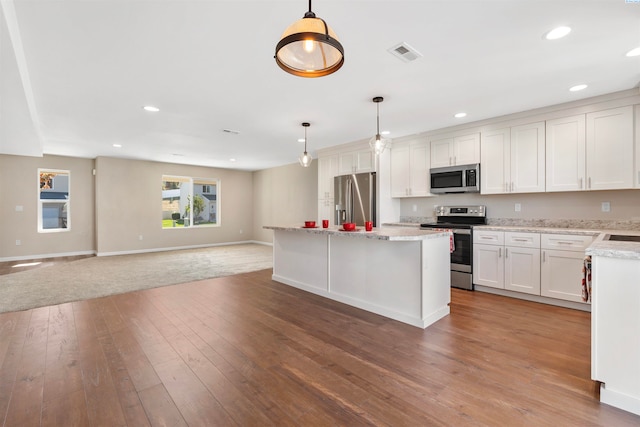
477	211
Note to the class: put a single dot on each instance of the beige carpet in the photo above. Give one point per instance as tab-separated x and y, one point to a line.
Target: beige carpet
100	276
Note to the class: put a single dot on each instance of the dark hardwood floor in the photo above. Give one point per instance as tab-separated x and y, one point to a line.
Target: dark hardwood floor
243	350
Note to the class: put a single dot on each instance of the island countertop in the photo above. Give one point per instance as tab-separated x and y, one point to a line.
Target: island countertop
379	233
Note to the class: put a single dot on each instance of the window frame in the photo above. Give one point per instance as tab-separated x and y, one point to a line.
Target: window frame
193	184
41	203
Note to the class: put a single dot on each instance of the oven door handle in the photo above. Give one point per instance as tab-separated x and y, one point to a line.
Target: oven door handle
461	231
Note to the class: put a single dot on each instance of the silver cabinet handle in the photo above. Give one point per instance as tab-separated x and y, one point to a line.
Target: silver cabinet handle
511	187
580	179
544	256
520	240
499	252
506	252
564	243
589	182
454	160
486	237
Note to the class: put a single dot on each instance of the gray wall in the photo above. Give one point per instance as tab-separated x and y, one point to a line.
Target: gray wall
128	205
19	187
282	196
625	205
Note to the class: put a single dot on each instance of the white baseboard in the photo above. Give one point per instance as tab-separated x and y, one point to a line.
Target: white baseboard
535	298
43	256
177	248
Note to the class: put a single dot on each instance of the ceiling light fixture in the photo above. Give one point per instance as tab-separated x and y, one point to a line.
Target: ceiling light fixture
460	115
577	88
151	108
634	52
557	33
378	143
309	48
117	145
305	159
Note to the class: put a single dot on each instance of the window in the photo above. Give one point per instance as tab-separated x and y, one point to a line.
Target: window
189	202
54	199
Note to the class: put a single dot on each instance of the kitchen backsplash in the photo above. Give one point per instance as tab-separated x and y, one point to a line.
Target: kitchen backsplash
548	223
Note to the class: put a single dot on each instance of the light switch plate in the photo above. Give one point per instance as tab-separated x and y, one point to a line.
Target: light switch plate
518	207
606	207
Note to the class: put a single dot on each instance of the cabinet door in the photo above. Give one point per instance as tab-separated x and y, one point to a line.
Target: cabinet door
522	269
466	149
565	154
365	161
419	169
441	152
494	161
527	158
347	162
488	265
610	149
561	274
400	174
327	170
326	211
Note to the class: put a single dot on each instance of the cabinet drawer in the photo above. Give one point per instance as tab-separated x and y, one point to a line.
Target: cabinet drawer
567	242
522	240
488	237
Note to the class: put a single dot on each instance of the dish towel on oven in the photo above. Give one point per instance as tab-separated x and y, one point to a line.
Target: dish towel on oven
450	231
586	279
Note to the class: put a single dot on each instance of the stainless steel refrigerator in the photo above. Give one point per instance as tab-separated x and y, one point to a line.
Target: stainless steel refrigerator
355	198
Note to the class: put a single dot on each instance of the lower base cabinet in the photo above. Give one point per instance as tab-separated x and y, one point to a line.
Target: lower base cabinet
548	265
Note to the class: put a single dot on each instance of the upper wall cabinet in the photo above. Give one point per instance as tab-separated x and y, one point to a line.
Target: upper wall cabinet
591	152
459	150
356	162
512	160
410	168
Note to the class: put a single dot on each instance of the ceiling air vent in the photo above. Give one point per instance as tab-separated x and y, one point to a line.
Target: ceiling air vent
405	52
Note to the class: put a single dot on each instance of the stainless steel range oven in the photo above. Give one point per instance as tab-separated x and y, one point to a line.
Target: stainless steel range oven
460	219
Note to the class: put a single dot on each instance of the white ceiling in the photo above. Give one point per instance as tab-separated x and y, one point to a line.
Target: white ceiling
75	74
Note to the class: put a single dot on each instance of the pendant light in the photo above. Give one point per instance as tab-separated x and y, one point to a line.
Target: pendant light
305	159
378	144
309	48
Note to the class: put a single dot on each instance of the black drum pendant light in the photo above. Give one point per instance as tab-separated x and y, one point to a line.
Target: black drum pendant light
305	159
309	48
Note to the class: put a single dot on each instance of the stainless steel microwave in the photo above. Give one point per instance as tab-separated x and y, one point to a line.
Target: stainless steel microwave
456	179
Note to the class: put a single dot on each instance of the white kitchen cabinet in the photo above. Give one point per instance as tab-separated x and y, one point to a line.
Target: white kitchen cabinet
522	262
356	162
561	265
458	150
591	152
488	258
565	153
410	169
512	160
507	260
637	126
327	170
610	149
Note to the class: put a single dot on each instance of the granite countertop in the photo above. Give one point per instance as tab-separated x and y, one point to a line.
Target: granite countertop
545	230
392	233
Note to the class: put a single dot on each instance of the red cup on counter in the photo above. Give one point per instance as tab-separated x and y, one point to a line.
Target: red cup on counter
325	223
368	225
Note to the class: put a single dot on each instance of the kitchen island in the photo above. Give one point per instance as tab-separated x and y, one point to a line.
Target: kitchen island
615	321
401	273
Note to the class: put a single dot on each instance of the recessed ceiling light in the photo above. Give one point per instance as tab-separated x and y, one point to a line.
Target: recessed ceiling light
151	108
232	160
634	52
178	155
117	145
576	88
460	115
231	131
557	33
385	132
300	139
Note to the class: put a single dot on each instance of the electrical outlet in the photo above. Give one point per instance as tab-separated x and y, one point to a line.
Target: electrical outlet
606	207
18	242
415	208
241	231
518	207
140	237
19	208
